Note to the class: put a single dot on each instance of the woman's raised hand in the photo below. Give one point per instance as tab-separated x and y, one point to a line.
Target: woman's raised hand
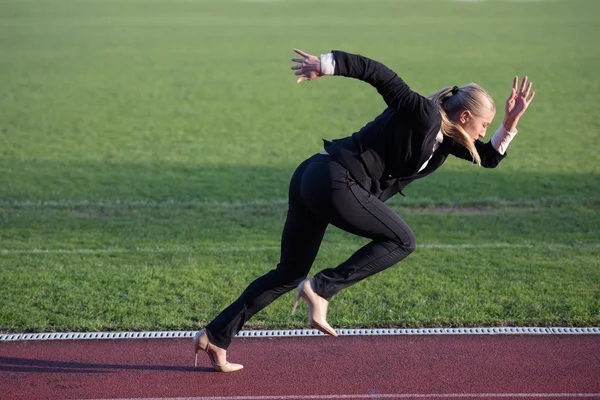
308	66
519	99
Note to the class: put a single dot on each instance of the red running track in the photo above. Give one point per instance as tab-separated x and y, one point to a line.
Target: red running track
374	367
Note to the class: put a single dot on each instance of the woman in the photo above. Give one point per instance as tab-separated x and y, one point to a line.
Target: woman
347	184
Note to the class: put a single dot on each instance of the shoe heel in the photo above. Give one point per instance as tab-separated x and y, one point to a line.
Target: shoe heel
196	348
198	345
296	304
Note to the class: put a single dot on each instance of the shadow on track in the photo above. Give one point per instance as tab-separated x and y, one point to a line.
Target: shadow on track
28	365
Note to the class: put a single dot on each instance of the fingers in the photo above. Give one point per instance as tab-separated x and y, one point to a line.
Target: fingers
304	69
299	68
302	53
523	83
308	68
515	82
304	78
531	96
526	94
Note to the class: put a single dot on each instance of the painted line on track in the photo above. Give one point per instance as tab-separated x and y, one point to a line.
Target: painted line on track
139	203
252	249
141	250
480	201
305	333
381	396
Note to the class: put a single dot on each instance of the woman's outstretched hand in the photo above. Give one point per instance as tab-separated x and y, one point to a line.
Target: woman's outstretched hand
517	103
308	66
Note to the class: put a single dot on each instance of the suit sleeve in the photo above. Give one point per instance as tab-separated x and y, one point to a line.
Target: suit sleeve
490	157
395	92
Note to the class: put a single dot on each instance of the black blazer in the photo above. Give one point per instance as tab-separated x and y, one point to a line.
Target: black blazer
385	155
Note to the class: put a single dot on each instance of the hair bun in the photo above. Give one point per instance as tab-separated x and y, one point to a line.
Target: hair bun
455	90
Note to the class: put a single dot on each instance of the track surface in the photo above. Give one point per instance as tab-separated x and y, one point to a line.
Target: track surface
310	367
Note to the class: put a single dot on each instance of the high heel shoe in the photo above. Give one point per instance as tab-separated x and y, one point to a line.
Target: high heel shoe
317	307
201	342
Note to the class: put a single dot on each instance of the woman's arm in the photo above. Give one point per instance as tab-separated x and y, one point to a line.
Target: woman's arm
395	92
489	155
494	151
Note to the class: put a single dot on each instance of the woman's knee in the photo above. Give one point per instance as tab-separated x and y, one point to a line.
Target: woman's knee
406	240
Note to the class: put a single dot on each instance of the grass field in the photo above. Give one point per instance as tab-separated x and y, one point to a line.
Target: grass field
146	148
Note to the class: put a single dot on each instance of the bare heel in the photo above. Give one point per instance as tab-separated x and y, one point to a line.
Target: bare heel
317	308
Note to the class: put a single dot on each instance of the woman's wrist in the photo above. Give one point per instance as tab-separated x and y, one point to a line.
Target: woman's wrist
510	124
327	64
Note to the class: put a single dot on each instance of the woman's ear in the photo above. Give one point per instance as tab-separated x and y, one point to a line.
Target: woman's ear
464	116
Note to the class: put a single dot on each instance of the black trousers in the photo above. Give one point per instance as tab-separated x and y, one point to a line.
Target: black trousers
322	192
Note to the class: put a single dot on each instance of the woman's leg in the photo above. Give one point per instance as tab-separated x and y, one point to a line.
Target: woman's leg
353	209
302	235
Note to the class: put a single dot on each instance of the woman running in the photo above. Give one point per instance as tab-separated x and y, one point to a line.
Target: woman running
347	184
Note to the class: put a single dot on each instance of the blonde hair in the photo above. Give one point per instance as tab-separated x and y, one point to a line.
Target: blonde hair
452	101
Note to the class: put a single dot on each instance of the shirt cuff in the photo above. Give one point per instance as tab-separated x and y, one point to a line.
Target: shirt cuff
327	64
502	138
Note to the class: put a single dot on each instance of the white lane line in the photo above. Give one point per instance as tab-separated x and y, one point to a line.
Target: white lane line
508	1
480	201
303	333
252	249
382	396
138	203
225	249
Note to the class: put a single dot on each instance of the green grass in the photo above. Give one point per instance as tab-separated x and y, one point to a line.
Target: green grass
183	290
147	146
135	268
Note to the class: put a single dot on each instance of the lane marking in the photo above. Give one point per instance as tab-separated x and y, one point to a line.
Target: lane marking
305	333
381	396
508	1
375	391
252	249
137	203
140	250
480	201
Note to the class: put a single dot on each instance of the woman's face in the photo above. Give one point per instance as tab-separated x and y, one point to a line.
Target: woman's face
475	126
